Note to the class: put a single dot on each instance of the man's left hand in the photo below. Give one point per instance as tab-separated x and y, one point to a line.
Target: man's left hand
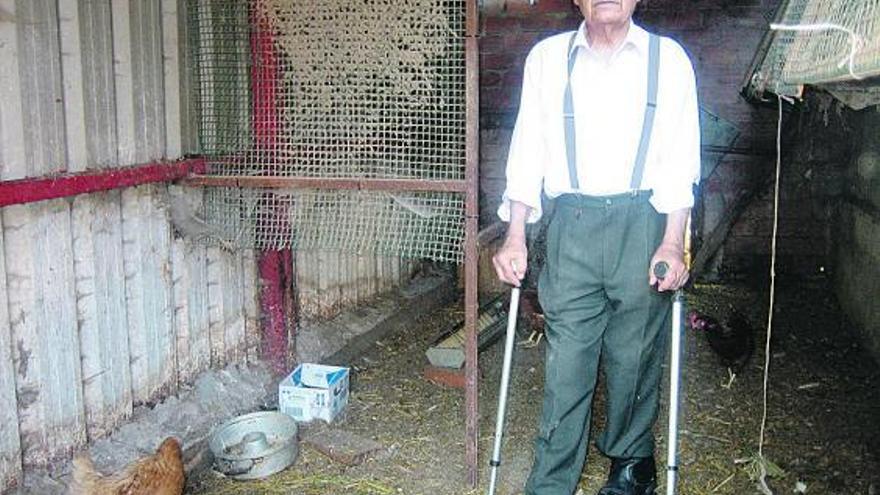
677	274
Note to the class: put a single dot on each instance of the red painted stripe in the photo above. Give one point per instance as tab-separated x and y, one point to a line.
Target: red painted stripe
23	191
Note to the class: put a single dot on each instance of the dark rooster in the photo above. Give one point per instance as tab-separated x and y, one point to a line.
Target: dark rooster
533	316
733	342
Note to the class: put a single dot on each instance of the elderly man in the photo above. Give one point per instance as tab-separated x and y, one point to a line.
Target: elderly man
608	125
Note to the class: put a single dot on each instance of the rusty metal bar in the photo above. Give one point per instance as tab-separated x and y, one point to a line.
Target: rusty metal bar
62	186
472	85
328	183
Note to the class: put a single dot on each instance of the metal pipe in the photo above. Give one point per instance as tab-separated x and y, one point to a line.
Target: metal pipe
674	387
16	192
272	182
275	275
660	270
509	338
471	255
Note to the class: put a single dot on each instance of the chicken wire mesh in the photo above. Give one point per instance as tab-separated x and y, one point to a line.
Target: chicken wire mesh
821	41
366	89
420	225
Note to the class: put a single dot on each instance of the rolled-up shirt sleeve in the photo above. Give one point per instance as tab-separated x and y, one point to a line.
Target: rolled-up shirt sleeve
527	156
679	155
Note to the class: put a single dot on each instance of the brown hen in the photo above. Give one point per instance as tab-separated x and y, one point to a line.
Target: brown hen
158	474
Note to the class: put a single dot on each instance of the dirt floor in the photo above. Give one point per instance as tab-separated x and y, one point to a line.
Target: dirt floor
823	419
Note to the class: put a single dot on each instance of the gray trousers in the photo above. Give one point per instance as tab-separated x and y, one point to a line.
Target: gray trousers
597	302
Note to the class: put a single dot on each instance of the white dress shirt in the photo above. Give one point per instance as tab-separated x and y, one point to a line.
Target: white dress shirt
609	93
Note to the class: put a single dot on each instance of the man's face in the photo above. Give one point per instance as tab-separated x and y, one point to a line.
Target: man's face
606	12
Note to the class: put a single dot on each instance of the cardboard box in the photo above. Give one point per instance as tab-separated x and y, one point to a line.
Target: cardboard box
314	391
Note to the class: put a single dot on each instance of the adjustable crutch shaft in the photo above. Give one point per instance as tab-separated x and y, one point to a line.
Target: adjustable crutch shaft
505	383
674	387
660	270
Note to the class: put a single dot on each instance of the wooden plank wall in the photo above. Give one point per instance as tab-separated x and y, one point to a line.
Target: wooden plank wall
102	305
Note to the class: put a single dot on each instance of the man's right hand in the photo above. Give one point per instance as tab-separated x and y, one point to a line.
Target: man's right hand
511	261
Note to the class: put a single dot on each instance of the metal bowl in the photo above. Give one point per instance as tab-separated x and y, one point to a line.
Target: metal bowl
254	445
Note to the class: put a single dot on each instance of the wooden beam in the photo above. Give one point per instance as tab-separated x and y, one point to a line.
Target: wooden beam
713	242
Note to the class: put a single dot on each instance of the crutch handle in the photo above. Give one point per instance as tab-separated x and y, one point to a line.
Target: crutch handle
661	268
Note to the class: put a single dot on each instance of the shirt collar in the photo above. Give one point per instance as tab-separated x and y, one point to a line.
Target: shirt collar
636	37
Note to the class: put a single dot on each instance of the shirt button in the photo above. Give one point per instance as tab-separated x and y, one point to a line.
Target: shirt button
608	202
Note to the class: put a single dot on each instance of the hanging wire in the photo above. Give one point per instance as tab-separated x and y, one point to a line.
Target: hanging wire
761	460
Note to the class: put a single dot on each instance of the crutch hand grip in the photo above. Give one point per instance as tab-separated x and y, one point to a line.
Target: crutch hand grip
661	268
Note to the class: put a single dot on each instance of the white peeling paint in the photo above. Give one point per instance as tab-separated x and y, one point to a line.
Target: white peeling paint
12	156
171	50
126	153
10	446
40	72
42	311
74	100
233	316
103	321
96	38
147	79
251	305
215	307
147	258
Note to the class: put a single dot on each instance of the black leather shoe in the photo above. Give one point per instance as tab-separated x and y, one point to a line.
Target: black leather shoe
634	476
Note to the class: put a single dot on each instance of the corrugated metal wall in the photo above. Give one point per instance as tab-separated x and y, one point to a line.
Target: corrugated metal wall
102	305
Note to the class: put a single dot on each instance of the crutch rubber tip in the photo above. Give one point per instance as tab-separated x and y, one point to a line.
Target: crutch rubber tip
494	463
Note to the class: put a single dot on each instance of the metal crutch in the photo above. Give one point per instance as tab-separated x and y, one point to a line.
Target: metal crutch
505	383
660	270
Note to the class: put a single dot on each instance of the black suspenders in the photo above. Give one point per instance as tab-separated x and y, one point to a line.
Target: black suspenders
647	124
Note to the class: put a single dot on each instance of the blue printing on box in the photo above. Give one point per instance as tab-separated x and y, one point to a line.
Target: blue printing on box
296	378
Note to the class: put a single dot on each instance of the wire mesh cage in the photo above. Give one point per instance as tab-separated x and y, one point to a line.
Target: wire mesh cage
417	225
821	41
355	89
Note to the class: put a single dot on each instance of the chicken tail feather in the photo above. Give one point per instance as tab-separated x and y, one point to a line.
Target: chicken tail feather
85	477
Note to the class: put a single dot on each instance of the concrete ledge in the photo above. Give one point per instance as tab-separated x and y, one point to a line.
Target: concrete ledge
340	340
